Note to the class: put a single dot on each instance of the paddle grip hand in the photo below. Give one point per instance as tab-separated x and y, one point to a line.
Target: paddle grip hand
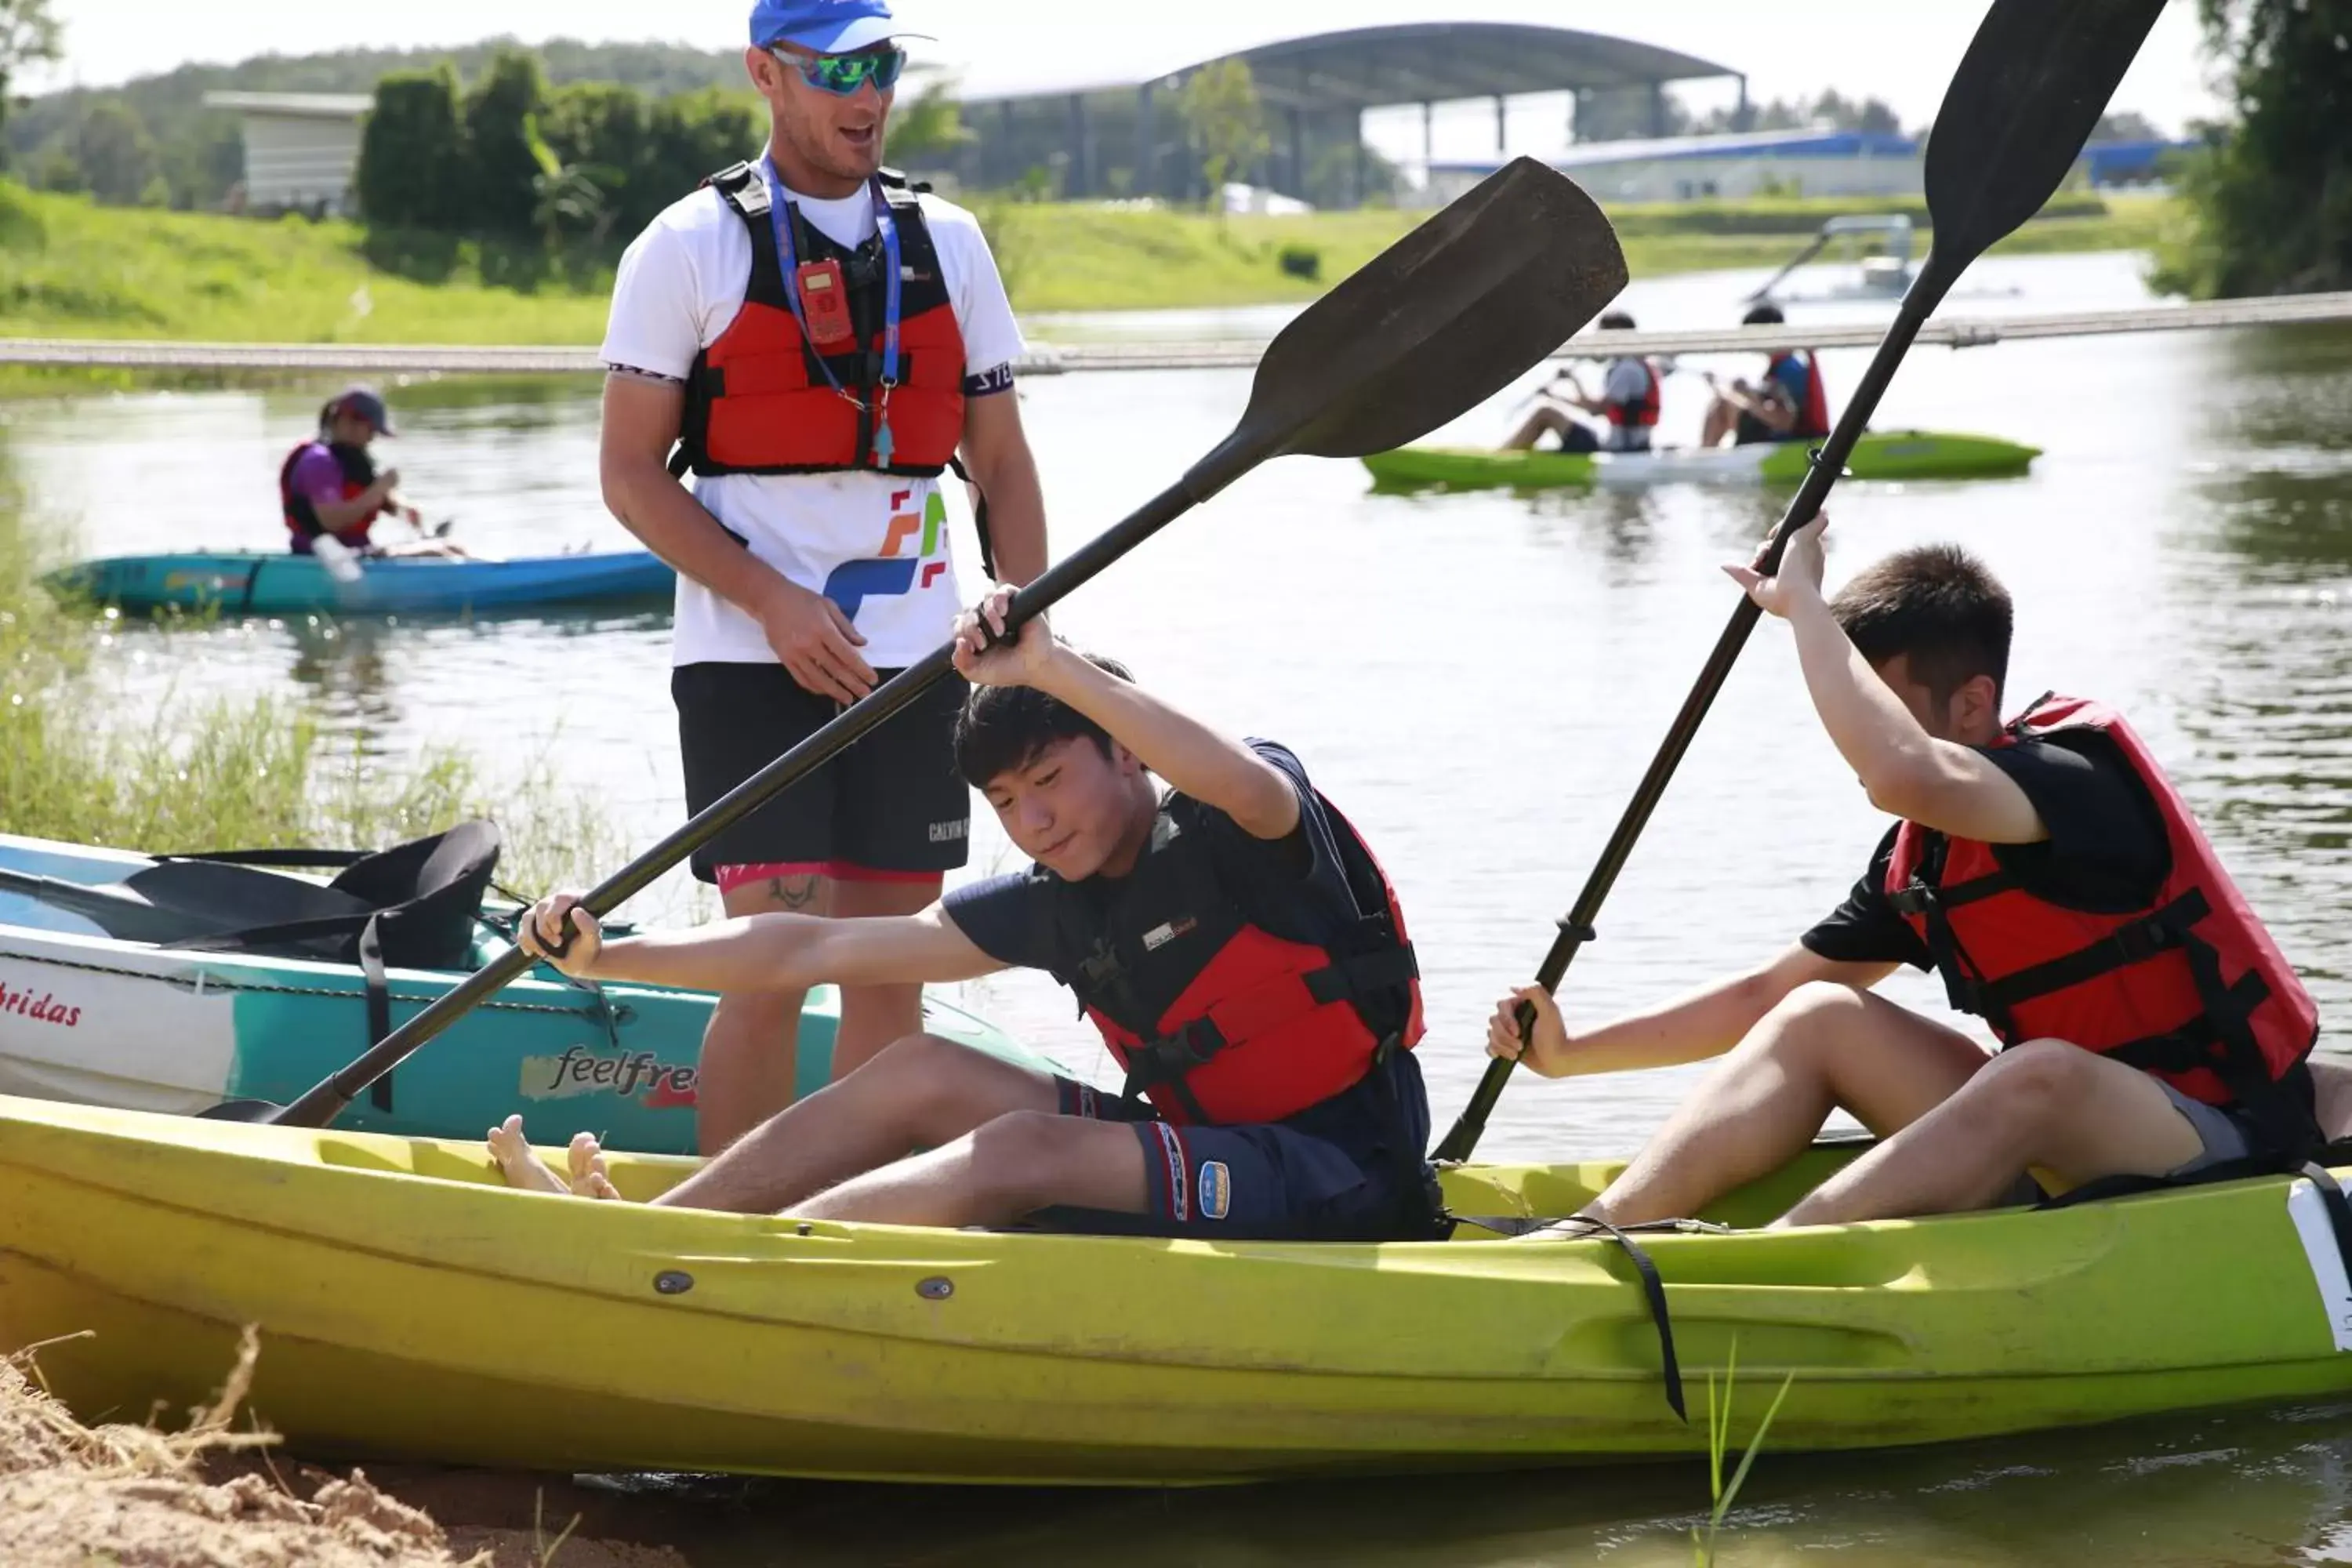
562	930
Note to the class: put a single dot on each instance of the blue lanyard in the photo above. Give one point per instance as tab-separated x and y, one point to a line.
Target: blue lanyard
888	225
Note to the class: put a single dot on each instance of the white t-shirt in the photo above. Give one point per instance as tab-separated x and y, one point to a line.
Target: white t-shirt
875	543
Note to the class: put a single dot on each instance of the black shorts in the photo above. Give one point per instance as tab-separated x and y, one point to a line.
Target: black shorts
890	808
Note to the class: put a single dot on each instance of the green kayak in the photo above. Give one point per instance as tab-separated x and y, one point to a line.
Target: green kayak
1879	454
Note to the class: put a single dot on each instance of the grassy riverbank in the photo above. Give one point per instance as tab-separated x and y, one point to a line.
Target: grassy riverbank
74	269
90	755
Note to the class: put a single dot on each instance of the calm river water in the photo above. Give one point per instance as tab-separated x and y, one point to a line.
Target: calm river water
1479	681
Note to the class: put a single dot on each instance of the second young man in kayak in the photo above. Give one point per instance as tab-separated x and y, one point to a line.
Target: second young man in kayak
2049	872
1233	941
818	341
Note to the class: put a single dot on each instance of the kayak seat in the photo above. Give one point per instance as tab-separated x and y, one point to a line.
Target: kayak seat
423	899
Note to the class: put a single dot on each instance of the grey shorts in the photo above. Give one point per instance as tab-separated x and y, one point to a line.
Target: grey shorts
2223	1135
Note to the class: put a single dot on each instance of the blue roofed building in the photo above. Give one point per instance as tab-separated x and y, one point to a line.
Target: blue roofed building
1733	167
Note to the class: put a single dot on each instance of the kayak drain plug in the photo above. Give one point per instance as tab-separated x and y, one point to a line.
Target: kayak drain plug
938	1287
673	1282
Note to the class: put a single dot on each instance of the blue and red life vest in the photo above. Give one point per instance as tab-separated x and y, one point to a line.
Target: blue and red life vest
1814	408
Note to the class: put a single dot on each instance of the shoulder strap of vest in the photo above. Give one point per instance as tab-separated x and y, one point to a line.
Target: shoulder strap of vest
740	185
894	180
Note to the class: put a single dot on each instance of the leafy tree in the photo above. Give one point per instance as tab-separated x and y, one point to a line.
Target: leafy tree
697	134
1220	107
926	128
2271	197
506	156
2126	126
115	154
29	35
413	152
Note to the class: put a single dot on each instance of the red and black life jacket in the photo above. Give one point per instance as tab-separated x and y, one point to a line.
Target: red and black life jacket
303	515
1643	413
1217	1019
2189	988
758	401
1813	410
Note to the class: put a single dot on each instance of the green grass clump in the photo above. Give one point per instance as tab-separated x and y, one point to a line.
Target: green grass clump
165	775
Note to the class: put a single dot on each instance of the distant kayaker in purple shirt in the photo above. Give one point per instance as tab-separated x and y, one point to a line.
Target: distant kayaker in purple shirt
329	487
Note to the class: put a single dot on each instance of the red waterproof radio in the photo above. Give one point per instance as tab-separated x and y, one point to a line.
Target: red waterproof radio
825	304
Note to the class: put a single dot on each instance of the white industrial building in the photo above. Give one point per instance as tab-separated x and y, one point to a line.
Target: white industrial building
301	148
1733	167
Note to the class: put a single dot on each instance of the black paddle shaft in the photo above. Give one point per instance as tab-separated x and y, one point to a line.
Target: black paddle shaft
2036	77
1428	329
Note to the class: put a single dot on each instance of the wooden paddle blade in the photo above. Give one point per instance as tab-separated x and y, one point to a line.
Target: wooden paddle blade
2032	88
1440	321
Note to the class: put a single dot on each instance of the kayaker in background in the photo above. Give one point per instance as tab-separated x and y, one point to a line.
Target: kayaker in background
1628	405
328	487
812	553
1790	404
2048	869
1233	941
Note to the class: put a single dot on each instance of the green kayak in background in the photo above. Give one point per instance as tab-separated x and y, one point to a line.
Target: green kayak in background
1879	454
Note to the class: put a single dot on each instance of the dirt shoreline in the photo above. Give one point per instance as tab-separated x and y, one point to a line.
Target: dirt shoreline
218	1494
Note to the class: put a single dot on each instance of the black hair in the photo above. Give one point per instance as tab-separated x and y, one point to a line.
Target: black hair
1936	605
1763	316
1617	321
1003	729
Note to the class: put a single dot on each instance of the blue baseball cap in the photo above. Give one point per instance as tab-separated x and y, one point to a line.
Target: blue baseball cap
364	402
825	26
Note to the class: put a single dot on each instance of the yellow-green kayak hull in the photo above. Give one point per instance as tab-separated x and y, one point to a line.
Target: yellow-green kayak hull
410	1308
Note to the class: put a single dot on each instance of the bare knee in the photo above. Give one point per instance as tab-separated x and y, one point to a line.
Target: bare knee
1018	1158
941	1087
1799	1022
2028	1087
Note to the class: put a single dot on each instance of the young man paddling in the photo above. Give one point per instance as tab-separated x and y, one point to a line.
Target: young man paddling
2050	873
817	343
1233	941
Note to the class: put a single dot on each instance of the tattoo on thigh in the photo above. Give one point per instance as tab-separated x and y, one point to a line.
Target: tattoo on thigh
795	892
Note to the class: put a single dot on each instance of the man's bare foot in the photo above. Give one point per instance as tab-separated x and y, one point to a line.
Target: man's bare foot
589	1177
520	1163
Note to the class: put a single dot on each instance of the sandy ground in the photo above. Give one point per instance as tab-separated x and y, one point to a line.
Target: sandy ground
211	1496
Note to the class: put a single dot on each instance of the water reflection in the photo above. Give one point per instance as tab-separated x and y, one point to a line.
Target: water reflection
2235	1486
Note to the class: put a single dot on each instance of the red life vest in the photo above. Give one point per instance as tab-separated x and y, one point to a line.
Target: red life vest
2189	988
758	400
1643	414
1813	412
302	516
1219	1020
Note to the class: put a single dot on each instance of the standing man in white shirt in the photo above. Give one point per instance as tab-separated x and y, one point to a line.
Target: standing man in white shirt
816	343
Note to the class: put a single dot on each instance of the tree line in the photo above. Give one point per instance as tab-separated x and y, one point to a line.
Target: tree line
509	157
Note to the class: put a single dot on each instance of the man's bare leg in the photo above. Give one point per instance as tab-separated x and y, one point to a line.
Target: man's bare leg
1545	421
1722	419
998	1173
2042	1104
874	1016
1824	1048
751	1049
920	1092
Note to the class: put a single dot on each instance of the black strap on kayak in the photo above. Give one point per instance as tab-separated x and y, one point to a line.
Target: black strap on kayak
379	1007
1653	1286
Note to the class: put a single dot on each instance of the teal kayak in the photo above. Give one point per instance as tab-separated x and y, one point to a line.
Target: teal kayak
1879	454
98	1009
267	584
